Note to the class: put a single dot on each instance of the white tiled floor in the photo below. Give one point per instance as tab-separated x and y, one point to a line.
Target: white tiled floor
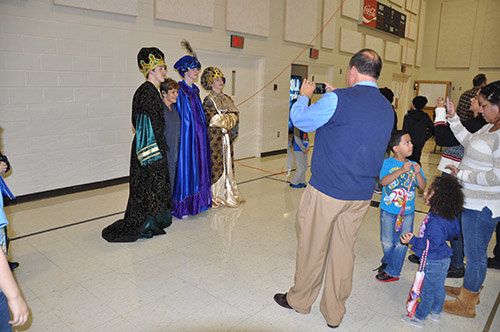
217	271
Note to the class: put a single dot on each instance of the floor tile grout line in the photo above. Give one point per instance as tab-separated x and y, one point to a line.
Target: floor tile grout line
255	179
65	226
270	177
492	314
279	180
102	217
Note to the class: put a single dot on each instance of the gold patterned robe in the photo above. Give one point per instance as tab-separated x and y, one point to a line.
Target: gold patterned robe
222	115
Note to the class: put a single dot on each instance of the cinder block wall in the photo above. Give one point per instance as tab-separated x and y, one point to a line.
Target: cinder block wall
67	77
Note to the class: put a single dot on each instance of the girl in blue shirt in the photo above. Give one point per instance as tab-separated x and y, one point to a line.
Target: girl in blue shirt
398	176
445	198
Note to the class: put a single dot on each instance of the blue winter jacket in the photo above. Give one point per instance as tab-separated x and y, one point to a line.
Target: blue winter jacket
438	230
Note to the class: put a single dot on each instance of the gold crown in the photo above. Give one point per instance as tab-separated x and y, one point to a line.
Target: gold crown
210	74
153	63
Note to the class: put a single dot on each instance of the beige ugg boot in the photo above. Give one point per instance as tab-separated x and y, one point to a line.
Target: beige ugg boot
454	291
464	305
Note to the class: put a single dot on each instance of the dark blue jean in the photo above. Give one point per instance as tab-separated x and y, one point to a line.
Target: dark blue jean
4	313
433	293
496	250
477	229
394	251
457	245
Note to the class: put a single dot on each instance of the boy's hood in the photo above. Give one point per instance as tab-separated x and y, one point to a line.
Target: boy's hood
416	115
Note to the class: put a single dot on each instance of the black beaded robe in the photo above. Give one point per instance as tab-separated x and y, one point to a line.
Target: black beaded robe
150	201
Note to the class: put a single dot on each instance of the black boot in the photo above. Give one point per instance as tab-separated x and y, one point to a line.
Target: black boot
493	263
456	272
414	259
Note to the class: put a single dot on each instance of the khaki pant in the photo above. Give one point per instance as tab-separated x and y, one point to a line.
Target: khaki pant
327	229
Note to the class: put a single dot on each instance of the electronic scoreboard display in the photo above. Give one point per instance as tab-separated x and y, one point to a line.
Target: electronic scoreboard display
390	20
383	17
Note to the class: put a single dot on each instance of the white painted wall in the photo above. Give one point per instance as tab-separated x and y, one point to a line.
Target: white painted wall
247	72
67	77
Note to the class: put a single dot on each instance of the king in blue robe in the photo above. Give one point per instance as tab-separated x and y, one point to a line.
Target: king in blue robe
192	189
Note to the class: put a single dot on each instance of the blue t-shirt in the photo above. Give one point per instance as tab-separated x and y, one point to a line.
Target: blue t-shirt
3	218
393	194
304	139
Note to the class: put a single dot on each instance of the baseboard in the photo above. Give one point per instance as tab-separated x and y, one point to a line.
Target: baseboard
91	186
64	191
272	153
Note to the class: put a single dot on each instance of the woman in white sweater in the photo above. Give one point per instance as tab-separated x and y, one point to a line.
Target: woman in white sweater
479	173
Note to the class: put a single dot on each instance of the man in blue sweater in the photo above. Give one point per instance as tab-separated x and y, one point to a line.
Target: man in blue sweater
353	126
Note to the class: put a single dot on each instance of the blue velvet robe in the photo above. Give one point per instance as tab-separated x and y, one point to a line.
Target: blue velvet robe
192	190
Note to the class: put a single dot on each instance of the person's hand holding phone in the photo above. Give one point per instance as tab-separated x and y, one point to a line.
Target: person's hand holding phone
450	109
329	87
440	102
307	88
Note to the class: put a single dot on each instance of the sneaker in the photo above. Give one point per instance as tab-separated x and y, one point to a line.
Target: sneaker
384	277
456	272
412	321
293	185
435	317
13	265
381	268
493	263
377	191
302	185
414	259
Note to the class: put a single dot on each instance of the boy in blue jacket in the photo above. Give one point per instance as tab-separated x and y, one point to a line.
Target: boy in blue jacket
4	240
445	199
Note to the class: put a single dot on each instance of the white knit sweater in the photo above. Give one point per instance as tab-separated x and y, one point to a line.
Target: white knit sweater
480	166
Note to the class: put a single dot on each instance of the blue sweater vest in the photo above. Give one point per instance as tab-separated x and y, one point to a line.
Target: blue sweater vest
349	148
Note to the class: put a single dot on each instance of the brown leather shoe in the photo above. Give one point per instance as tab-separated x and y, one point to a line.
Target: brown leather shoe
280	298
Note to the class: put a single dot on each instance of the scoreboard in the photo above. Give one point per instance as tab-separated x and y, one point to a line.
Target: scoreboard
382	17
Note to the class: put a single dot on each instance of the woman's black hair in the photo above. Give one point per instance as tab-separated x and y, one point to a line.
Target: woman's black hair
491	93
395	139
448	198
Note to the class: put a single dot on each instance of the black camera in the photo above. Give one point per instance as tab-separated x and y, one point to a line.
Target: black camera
320	88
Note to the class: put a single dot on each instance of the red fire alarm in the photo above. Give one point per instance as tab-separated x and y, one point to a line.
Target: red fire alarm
237	41
313	53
